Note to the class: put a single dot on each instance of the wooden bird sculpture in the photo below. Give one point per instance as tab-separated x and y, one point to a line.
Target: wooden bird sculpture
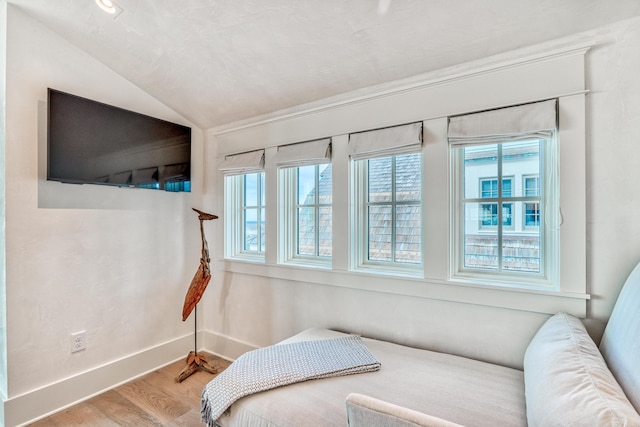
196	361
203	275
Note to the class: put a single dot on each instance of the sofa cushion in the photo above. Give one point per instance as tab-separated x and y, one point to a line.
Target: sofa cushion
464	391
567	381
620	344
367	411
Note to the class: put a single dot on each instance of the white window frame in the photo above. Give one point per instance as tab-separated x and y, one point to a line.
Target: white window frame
548	277
234	217
289	220
360	245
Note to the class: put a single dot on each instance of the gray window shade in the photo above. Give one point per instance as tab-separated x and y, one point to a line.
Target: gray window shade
304	153
236	164
386	142
527	121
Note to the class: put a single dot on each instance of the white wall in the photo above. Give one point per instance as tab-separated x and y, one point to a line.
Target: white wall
249	309
116	262
3	331
113	262
613	165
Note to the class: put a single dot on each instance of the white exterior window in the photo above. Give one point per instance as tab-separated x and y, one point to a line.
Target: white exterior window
387	215
308	214
306	202
244	187
505	219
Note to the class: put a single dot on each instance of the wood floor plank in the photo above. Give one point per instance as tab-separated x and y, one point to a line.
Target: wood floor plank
81	414
190	419
152	400
188	391
122	411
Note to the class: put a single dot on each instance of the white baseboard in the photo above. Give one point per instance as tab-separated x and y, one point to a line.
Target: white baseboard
224	346
39	403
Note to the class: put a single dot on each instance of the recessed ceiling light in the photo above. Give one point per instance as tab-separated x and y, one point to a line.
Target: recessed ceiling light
107	5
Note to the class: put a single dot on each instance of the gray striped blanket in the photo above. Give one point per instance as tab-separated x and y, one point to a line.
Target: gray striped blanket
284	364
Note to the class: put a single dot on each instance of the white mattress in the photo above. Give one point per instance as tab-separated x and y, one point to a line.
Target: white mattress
465	391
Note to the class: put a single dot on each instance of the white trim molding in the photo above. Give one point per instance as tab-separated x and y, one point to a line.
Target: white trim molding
36	404
506	80
524	299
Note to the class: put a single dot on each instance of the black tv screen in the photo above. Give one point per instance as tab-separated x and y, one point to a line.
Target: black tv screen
94	143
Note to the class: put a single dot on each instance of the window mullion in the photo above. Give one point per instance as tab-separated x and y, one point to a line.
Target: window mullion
393	210
295	226
316	209
500	207
259	213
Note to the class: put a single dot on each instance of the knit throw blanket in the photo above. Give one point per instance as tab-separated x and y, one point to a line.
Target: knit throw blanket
284	364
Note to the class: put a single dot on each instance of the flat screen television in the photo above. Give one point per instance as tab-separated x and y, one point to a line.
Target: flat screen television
94	143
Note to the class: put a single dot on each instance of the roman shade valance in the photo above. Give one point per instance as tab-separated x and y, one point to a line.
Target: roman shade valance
304	153
386	141
237	164
535	120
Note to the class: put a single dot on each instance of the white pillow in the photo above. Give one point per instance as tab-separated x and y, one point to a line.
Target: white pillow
567	381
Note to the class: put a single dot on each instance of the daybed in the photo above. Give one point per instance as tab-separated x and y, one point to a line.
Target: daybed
566	380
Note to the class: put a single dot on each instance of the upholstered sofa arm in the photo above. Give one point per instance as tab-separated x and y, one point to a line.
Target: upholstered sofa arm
567	382
366	411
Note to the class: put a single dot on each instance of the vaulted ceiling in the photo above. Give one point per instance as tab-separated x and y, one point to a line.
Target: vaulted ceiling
221	61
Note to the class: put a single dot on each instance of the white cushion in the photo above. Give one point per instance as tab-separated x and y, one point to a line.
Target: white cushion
620	345
567	381
366	411
461	390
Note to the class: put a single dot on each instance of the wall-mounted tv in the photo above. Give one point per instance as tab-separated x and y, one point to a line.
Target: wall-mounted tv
94	143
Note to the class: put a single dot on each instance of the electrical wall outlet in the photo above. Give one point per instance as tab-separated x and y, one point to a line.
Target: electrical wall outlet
78	341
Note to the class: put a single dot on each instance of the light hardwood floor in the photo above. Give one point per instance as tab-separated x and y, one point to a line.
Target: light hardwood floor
152	400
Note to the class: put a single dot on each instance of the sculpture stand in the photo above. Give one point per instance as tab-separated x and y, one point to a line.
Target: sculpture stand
195	361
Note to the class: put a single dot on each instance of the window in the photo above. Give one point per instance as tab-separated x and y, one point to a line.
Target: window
305	209
308	224
392	226
244	205
247	214
532	209
498	243
497	217
387	214
489	190
252	211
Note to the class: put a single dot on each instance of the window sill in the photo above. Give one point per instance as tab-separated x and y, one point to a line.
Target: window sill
254	259
534	300
307	263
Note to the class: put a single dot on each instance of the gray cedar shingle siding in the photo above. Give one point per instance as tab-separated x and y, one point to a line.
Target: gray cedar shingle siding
520	252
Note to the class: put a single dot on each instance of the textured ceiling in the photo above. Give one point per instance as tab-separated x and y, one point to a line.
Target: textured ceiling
221	61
